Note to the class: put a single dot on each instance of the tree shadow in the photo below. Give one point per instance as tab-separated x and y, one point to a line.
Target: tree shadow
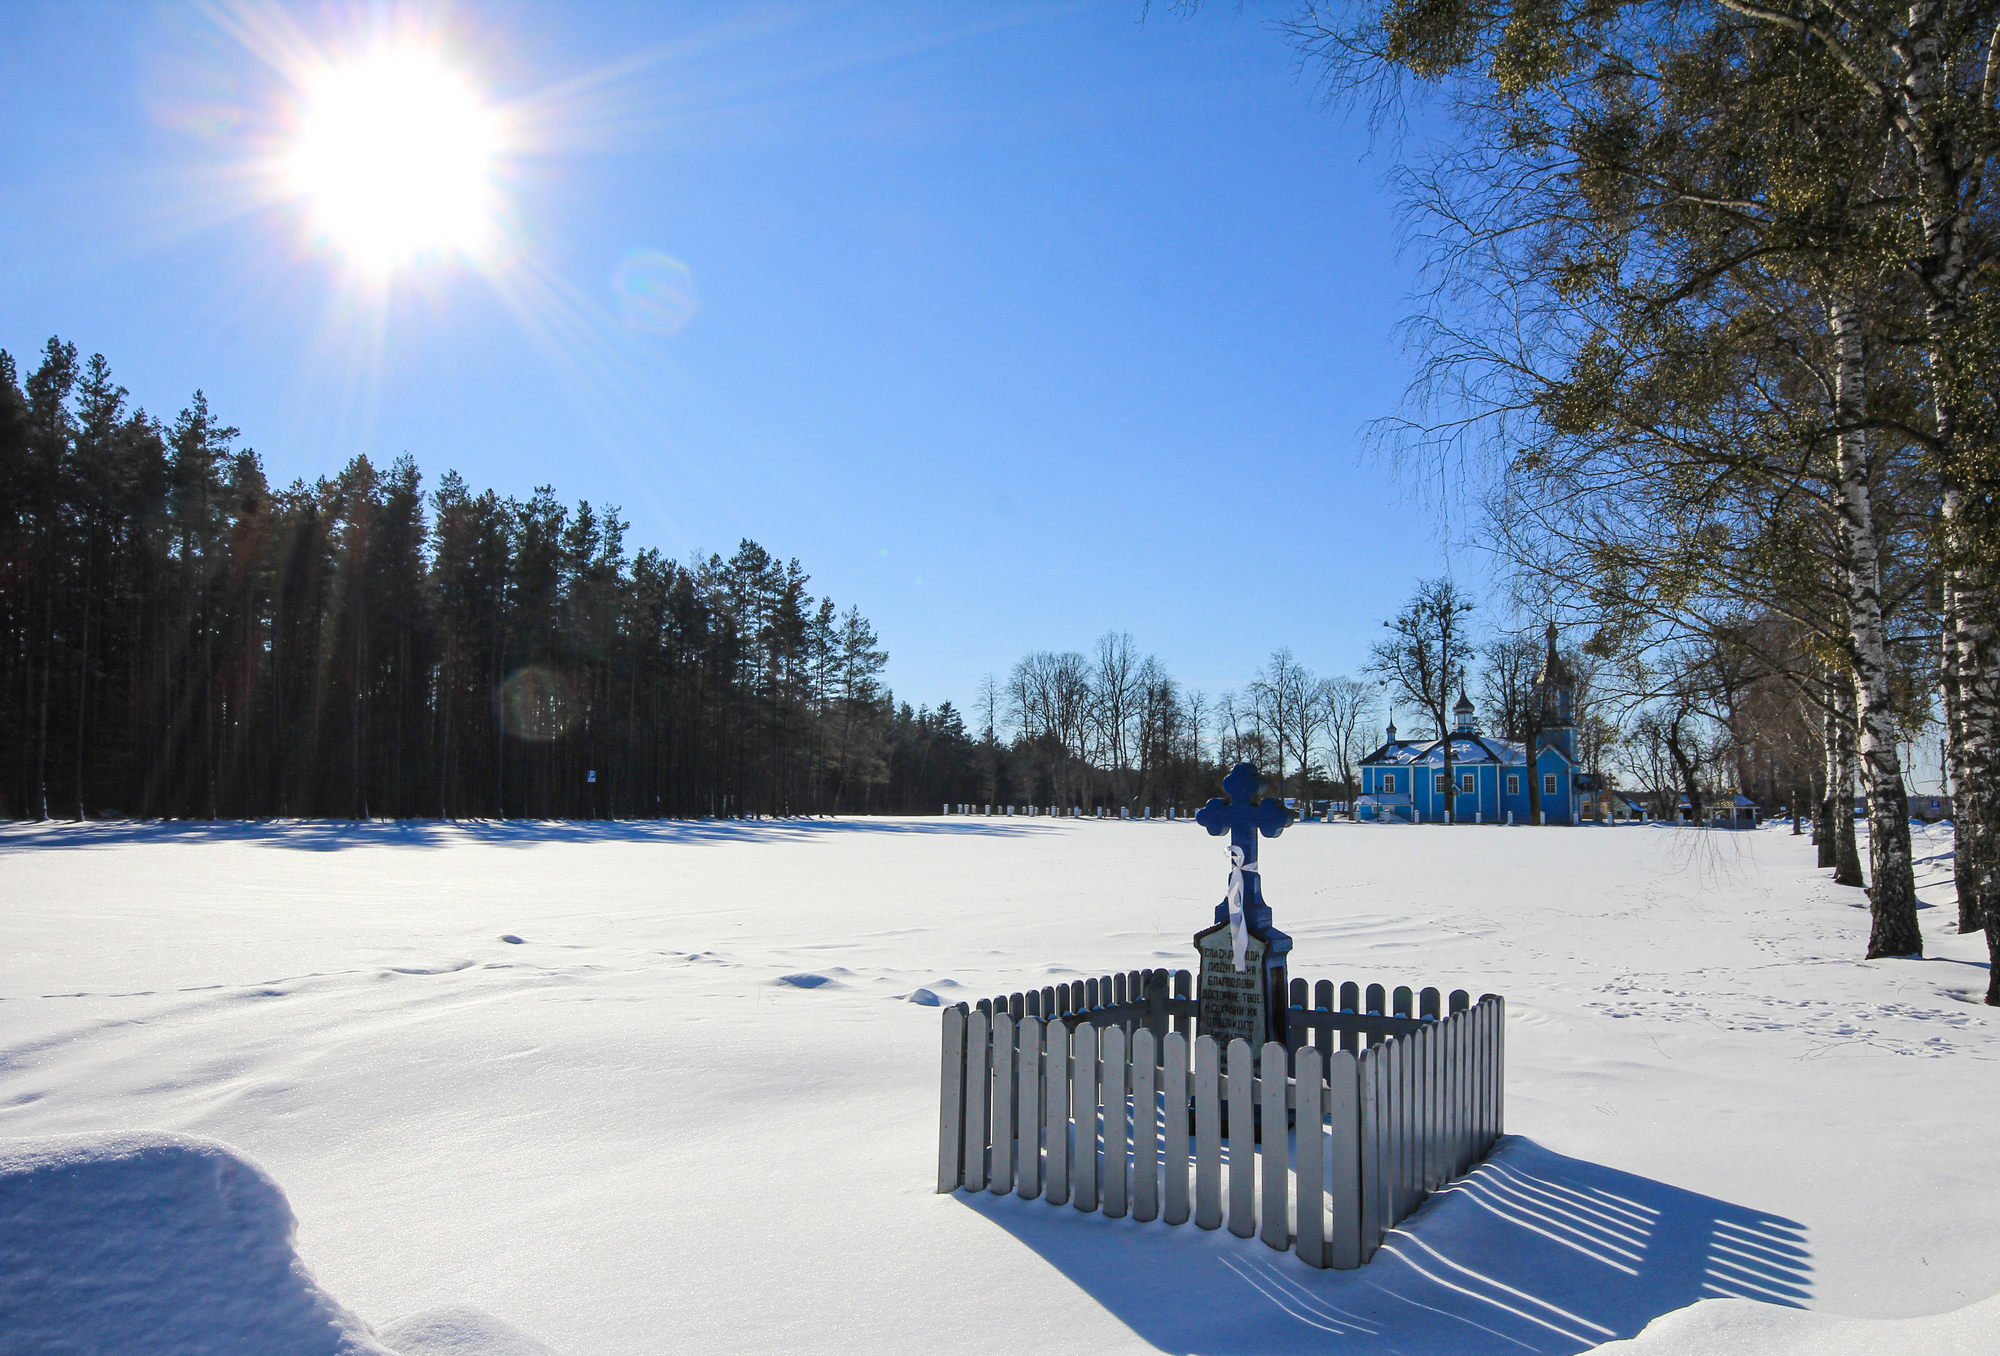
330	835
1530	1252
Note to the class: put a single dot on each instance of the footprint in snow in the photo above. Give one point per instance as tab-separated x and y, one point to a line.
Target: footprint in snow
510	937
808	981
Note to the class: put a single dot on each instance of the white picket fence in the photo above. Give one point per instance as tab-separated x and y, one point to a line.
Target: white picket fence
1102	1109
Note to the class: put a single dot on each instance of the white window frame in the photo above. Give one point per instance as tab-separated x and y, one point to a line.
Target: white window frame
1549	785
1439	786
1388	783
1468	783
1513	783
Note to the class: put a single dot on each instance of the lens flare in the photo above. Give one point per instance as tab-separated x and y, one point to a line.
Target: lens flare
655	292
395	154
537	704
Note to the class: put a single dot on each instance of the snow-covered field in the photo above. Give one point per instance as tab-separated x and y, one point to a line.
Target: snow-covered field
638	1089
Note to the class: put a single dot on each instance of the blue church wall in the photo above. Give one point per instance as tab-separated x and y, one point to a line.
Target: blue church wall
1403	779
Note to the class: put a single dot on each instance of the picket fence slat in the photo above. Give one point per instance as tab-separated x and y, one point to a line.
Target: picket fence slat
951	1111
1309	1153
1174	1143
1343	1115
1240	1070
1083	1107
1207	1133
1000	1175
1115	1133
1145	1128
1055	1095
1325	1159
1028	1107
976	1053
1276	1231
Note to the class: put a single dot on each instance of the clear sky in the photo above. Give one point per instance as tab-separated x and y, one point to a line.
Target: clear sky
1013	323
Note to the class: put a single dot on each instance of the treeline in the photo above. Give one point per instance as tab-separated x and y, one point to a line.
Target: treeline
1114	729
183	640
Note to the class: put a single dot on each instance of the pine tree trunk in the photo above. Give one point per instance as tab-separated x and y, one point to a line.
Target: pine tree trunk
1893	896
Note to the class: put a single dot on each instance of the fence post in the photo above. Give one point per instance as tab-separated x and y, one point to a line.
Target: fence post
1276	1167
1055	1095
951	1102
1145	1127
1208	1133
1174	1095
1028	1106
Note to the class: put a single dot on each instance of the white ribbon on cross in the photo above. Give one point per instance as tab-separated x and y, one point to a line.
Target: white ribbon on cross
1239	931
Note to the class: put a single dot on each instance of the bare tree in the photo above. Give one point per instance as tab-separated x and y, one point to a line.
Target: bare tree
1424	659
1115	693
1350	710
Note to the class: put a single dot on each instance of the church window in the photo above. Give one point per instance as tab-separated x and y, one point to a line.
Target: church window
1548	783
1513	784
1440	784
1465	781
1389	783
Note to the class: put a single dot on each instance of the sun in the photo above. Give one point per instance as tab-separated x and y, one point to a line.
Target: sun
395	157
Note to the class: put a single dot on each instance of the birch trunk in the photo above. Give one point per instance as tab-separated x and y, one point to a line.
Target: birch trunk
1846	856
1893	896
1966	823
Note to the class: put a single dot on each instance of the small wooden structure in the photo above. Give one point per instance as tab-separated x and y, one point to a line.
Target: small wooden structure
1104	1094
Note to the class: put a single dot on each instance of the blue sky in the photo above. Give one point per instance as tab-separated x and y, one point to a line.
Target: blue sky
1016	324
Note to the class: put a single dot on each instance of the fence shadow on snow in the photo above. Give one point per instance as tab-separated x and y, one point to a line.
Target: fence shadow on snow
1530	1252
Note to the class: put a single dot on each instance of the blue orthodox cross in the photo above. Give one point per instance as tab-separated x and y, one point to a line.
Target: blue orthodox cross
1243	816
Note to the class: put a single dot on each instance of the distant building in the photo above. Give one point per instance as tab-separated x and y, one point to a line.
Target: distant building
1730	809
1930	809
1404	780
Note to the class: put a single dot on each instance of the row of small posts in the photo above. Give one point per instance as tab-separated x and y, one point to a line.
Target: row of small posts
1095	1095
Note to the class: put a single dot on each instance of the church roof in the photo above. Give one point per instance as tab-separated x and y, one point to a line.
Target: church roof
1465	749
1398	751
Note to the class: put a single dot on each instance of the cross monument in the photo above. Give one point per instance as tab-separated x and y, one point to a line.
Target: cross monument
1242	955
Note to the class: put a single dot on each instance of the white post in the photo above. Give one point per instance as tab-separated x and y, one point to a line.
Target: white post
944	809
1510	819
1545	819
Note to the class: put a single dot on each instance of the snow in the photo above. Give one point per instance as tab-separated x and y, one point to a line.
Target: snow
642	1087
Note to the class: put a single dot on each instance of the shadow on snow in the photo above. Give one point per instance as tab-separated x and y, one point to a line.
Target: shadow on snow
1530	1252
328	835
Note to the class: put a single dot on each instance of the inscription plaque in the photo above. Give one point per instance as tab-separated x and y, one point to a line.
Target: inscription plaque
1233	1001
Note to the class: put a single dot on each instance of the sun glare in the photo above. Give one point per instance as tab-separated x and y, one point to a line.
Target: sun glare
395	156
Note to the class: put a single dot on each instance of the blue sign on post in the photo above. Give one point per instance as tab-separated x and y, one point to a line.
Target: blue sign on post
1242	955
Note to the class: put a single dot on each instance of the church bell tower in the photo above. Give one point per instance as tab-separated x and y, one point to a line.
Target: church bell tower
1555	688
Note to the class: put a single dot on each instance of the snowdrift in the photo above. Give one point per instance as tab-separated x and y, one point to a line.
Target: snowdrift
1738	1327
145	1242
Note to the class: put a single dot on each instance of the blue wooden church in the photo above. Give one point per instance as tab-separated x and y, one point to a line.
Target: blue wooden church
1404	780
